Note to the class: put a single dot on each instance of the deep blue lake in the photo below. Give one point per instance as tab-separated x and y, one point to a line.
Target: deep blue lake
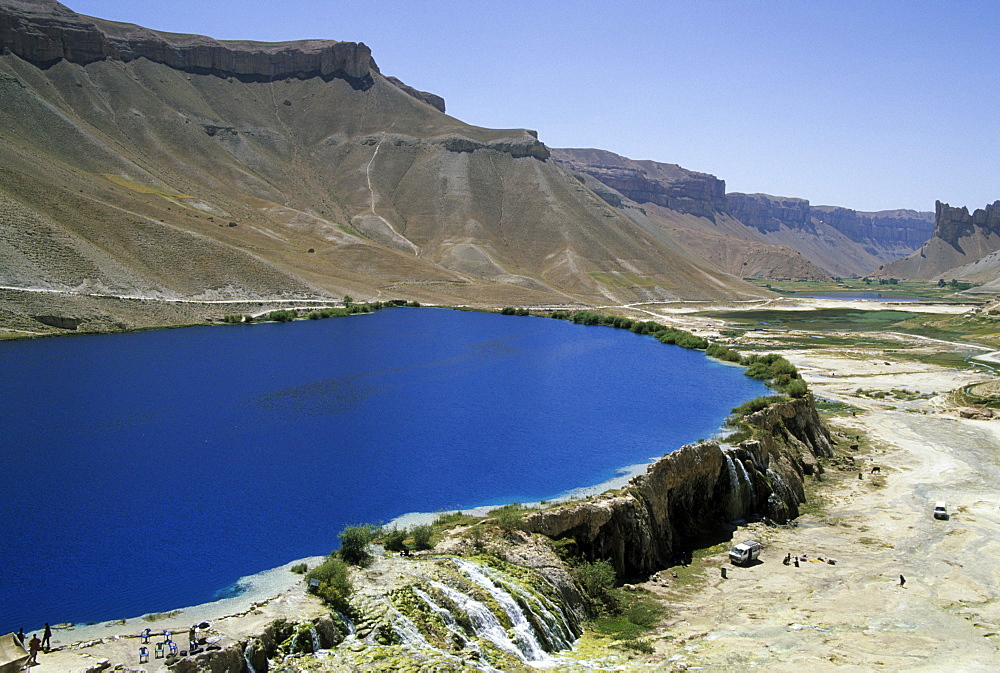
147	471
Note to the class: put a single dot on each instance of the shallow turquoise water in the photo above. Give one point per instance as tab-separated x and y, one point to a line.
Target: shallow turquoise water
148	471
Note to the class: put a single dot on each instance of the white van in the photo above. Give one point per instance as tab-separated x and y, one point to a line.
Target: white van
744	553
941	511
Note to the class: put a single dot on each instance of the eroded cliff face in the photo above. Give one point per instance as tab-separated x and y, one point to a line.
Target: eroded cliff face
666	185
695	489
44	32
952	224
964	245
892	228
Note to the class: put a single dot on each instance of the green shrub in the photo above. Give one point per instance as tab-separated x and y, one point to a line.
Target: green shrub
281	316
756	404
422	537
299	568
597	581
334	586
722	352
394	540
636	645
233	318
354	542
507	310
796	388
508	517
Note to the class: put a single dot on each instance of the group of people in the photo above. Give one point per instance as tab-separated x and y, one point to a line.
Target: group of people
36	644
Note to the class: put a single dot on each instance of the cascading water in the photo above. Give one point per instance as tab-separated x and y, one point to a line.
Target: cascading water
459	611
524	634
741	496
555	629
485	624
248	656
315	638
405	629
348	624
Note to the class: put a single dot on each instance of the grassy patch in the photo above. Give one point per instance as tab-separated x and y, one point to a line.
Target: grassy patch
141	188
907	289
833	407
817	320
640	613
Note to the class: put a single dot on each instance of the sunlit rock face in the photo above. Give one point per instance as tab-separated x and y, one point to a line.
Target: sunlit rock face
697	489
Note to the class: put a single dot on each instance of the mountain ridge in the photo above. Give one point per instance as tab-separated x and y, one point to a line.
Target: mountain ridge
136	178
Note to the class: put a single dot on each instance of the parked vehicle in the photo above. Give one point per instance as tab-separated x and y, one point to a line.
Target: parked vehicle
744	553
941	511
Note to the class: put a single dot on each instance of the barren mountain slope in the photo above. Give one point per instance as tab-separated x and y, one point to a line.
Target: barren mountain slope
122	173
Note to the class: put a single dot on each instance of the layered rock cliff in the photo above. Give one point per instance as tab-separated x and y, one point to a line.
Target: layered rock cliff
666	185
888	228
44	32
963	246
953	224
842	241
695	489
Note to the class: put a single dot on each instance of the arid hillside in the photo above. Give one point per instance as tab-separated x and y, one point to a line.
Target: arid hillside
174	166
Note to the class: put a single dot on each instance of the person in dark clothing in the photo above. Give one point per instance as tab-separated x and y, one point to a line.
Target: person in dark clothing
902	581
47	637
20	636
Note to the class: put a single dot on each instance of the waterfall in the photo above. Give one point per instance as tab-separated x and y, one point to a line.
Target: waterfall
248	656
484	623
524	633
749	487
294	644
734	500
556	630
742	495
405	630
445	615
348	624
315	639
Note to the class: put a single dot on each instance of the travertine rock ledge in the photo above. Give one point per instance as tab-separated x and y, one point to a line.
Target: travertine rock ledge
697	488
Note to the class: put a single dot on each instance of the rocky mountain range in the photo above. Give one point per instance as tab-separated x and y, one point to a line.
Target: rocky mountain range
142	163
137	164
754	235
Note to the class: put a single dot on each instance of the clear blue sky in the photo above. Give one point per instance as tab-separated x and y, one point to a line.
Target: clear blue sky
863	104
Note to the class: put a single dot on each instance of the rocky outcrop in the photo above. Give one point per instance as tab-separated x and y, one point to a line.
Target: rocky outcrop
767	213
695	489
431	99
952	224
964	245
526	145
44	32
666	185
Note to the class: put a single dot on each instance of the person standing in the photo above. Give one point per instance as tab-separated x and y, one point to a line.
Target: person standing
33	646
20	637
47	637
